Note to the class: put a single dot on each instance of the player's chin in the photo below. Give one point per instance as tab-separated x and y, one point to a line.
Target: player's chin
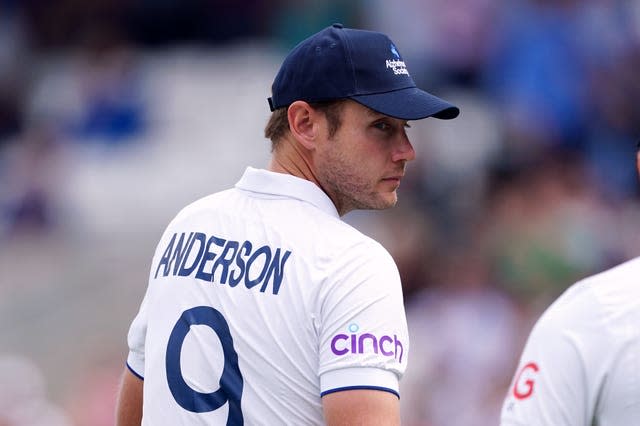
386	200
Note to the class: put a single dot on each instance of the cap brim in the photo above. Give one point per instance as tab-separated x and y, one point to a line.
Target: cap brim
409	104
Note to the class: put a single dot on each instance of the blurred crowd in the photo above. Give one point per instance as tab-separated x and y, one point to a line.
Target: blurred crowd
532	188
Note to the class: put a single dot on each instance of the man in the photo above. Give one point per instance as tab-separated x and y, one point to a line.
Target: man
263	307
581	364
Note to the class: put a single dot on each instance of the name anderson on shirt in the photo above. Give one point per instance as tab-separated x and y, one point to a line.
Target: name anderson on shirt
215	259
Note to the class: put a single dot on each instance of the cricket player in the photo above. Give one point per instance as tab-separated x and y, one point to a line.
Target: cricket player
263	307
581	364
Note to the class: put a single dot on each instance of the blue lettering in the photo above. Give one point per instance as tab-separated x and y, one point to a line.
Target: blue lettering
185	270
248	282
179	252
276	268
224	260
235	280
166	258
209	255
233	264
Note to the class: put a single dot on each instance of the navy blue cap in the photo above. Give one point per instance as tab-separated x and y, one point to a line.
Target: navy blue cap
344	63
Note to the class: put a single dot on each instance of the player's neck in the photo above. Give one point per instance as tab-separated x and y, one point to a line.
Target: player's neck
290	158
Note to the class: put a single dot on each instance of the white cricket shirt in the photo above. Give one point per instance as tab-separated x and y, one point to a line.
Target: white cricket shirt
581	364
260	300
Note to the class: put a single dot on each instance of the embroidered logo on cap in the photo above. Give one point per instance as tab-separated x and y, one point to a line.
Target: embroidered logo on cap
396	64
395	51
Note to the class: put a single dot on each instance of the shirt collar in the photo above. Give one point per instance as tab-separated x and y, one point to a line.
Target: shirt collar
268	182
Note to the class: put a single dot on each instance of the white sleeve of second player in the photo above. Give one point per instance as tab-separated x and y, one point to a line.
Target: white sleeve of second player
364	341
551	384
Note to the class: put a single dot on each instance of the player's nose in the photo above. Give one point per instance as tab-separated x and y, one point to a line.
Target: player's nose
403	149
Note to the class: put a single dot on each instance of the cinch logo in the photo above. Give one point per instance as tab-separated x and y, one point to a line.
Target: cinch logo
355	343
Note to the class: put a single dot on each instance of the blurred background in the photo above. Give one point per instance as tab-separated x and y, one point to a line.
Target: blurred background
114	114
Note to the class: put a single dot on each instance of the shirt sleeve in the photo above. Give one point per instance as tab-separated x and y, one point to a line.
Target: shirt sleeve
364	342
136	341
552	381
137	334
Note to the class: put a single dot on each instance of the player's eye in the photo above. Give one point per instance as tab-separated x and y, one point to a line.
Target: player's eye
387	127
382	125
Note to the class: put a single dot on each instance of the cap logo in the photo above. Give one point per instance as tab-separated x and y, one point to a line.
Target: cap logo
396	64
395	51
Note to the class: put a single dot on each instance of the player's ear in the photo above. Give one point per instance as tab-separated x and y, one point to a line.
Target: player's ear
303	123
